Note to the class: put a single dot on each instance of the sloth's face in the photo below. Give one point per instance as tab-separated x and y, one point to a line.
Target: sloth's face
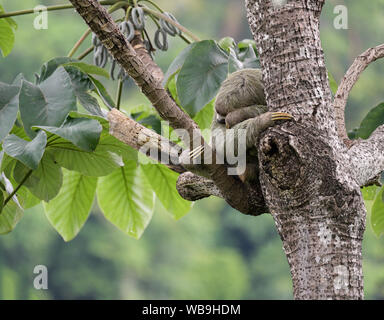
220	119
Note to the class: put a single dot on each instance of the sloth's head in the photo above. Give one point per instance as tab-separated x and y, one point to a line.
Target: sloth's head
241	89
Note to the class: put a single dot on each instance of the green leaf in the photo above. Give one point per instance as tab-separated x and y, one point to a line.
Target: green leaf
369	193
11	22
45	182
1	200
80	80
51	66
10	216
88	68
234	63
163	182
249	58
100	162
227	43
126	200
47	104
377	215
373	119
204	116
89	103
203	71
101	119
244	44
9	106
176	64
7	37
103	93
70	209
111	144
173	89
27	199
332	83
83	133
28	152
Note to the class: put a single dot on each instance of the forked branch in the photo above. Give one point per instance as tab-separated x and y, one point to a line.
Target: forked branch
346	85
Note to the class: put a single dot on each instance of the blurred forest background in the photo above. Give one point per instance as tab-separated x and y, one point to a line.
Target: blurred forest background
212	253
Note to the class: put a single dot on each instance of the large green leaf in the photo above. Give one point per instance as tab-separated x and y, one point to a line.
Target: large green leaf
9	105
7	37
111	144
101	119
10	216
103	93
45	182
201	75
176	64
126	199
373	119
26	198
88	68
100	162
89	103
70	209
377	215
28	152
47	104
163	182
81	82
204	117
369	193
83	133
51	66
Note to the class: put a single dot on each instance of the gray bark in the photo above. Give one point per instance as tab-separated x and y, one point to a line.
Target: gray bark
307	179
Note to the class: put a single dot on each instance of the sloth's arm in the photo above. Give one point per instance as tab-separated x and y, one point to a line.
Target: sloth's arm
237	116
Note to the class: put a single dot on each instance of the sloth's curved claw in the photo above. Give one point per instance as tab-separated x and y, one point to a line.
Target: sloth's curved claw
281	116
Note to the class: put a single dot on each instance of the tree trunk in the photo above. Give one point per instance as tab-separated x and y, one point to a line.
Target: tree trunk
305	175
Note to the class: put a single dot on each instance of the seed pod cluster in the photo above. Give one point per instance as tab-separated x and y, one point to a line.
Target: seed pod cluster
128	27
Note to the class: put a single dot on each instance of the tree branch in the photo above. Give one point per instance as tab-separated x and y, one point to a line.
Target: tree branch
143	72
144	140
346	85
192	187
247	199
367	157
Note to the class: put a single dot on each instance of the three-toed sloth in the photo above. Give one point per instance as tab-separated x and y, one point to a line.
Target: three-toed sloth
241	115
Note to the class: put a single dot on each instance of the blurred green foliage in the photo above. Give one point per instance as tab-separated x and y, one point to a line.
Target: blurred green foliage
213	252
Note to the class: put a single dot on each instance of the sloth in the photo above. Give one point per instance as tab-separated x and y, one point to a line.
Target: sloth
240	106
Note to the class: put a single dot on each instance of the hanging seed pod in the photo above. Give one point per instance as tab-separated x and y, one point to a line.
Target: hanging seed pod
147	45
122	74
127	29
169	28
98	55
138	18
104	57
112	70
95	40
163	43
